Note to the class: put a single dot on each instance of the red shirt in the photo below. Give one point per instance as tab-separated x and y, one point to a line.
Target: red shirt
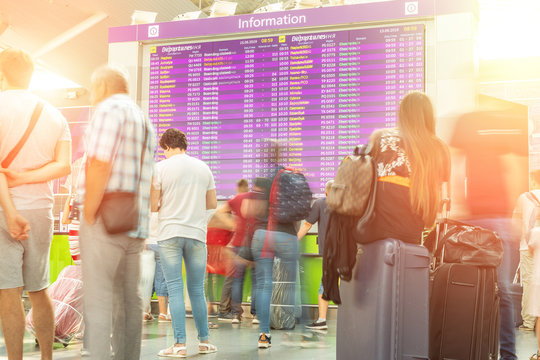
485	137
241	224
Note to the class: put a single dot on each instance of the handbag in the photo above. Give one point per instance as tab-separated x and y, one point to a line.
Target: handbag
119	210
465	244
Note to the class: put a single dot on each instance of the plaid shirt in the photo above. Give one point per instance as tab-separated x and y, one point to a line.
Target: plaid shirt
116	135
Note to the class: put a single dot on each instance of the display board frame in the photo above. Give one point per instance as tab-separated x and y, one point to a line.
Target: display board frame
147	46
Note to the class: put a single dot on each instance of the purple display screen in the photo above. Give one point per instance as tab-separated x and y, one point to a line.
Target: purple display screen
319	95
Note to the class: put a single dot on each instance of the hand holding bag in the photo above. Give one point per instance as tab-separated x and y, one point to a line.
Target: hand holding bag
119	210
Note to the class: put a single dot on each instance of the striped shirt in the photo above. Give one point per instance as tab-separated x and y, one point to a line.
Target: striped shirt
116	135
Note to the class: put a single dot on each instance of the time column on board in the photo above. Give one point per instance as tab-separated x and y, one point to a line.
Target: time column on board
247	91
193	125
410	59
154	88
171	99
265	101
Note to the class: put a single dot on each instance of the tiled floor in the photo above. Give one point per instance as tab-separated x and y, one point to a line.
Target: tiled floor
240	342
233	342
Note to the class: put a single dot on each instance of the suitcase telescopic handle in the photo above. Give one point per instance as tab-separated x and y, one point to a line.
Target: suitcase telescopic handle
440	229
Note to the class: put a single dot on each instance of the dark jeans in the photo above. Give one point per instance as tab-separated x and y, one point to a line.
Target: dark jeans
226	294
238	286
510	240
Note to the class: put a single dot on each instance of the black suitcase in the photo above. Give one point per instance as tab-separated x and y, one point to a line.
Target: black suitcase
464	313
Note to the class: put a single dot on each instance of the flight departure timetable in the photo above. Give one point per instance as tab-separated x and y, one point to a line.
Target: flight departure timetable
318	94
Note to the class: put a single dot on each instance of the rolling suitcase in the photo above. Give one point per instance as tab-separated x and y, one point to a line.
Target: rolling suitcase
464	313
384	311
464	303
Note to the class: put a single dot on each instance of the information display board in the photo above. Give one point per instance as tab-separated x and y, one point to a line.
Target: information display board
317	94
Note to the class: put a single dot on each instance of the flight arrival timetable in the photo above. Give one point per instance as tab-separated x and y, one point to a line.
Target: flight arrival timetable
318	94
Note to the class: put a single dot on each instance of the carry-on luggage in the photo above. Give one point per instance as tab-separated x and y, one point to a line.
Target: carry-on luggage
66	294
464	303
464	313
285	302
384	310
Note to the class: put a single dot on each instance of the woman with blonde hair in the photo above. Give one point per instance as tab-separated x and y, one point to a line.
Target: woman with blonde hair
412	164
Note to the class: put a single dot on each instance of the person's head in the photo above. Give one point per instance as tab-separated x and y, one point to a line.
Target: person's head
428	155
328	186
261	184
242	186
415	117
106	81
16	69
173	141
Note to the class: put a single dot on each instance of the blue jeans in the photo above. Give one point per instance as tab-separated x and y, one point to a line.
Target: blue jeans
510	241
194	254
284	246
160	285
238	287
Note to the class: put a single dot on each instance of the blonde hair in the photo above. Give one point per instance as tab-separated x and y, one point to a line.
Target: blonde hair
17	67
428	155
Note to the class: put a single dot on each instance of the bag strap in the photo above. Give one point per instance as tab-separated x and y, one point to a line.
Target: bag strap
15	151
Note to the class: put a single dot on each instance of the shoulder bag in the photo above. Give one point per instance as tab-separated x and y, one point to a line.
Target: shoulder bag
119	210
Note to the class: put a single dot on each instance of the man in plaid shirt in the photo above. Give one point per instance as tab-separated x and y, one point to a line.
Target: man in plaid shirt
114	145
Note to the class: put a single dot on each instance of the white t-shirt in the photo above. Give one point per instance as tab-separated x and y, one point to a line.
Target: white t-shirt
153	230
523	211
184	182
16	108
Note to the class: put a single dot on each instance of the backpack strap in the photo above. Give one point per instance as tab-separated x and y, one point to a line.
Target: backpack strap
15	151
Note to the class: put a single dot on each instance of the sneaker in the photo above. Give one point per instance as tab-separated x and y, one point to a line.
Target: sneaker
237	319
189	314
255	320
225	317
317	325
265	341
173	351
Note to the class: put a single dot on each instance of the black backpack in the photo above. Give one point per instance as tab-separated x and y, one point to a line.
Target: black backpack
290	196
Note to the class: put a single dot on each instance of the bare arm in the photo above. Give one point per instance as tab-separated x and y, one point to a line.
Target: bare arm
211	199
65	215
18	226
223	213
97	176
303	230
58	167
155	197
